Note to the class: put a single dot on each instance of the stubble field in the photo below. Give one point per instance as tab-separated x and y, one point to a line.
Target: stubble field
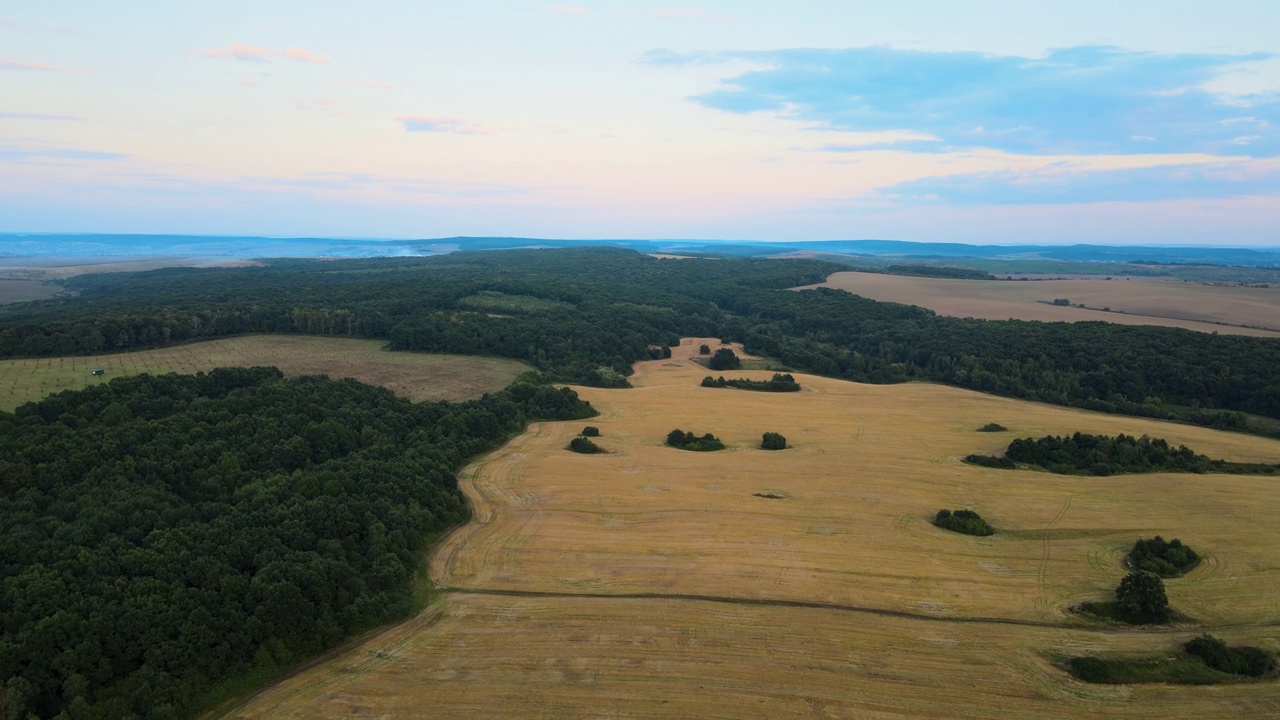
418	376
652	582
1230	310
15	291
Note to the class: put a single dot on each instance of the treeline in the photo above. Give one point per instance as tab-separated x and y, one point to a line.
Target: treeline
587	314
166	535
1083	454
780	382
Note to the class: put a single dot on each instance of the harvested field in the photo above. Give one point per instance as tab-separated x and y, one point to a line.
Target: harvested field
418	376
14	291
653	582
1230	310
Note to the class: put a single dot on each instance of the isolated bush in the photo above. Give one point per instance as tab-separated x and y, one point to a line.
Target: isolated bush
993	427
704	349
1166	559
689	441
773	441
590	431
1141	597
584	446
724	359
963	521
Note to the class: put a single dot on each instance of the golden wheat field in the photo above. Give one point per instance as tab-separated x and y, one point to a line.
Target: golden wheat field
418	376
1234	310
654	582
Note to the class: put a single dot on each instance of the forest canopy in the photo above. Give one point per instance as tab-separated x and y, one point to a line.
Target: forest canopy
166	534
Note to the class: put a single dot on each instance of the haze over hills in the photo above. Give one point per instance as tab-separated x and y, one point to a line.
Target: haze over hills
19	245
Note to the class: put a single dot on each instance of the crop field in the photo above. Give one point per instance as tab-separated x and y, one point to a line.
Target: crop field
418	376
1235	309
653	582
14	291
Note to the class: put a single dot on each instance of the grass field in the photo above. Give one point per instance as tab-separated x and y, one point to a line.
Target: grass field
14	291
417	376
651	582
1236	310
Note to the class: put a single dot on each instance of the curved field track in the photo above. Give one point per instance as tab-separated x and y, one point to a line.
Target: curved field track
1230	310
417	376
652	582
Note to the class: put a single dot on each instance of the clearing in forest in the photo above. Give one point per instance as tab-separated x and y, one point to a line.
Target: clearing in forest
15	291
417	376
1226	309
651	582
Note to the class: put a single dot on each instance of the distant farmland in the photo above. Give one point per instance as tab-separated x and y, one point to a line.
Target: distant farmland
1232	310
418	376
12	291
652	582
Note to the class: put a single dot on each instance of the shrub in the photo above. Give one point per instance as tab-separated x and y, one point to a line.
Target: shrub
1141	597
990	461
724	359
590	431
689	441
963	521
993	427
773	441
704	349
584	446
1166	559
1247	661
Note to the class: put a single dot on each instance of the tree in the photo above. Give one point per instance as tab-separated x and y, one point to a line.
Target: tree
590	431
584	446
724	359
704	349
773	441
1141	596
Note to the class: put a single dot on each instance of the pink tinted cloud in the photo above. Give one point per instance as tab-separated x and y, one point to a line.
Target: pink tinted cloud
237	51
304	56
568	9
34	67
457	126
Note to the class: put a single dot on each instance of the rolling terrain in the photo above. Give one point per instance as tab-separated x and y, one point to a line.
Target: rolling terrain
652	582
1233	310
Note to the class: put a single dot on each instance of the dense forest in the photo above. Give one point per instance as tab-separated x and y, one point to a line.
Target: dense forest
166	535
585	315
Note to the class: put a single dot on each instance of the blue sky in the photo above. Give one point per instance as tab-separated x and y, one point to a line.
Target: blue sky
983	121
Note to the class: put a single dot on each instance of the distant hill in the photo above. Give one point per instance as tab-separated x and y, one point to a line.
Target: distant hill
16	245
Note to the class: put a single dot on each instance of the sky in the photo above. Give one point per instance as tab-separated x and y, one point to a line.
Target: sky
986	121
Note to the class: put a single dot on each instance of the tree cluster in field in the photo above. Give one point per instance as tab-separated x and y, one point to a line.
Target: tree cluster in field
936	271
991	461
662	353
166	535
603	308
690	441
773	441
778	383
1166	559
724	359
963	521
993	427
1141	598
583	444
1205	660
1082	454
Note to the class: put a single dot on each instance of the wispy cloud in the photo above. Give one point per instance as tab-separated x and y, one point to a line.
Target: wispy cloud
304	56
567	9
237	51
1060	183
324	106
249	53
457	126
21	151
38	116
34	67
1074	100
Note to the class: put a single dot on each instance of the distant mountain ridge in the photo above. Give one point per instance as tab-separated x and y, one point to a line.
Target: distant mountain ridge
17	245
